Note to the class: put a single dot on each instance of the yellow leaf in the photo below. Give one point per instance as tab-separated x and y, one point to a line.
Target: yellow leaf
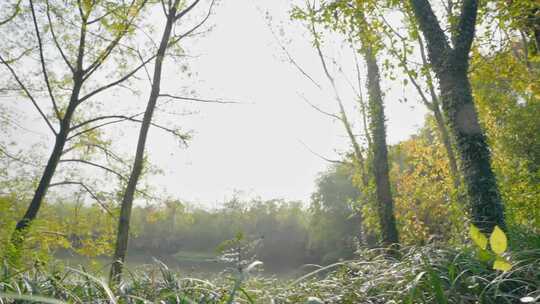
498	241
502	265
478	237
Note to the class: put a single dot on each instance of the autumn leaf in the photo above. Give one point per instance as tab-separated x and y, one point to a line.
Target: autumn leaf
478	237
501	264
498	241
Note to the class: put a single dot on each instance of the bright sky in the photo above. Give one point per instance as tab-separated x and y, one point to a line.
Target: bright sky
257	147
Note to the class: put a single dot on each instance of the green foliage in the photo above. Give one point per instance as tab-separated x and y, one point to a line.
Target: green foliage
85	230
426	204
478	237
498	244
506	94
334	222
422	275
504	75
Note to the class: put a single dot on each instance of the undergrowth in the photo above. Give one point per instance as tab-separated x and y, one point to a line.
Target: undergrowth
419	275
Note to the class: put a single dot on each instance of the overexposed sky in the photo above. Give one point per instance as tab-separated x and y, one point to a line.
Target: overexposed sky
258	147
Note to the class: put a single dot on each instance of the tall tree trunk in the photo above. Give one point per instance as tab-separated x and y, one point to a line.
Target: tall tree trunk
485	201
18	236
451	66
127	201
380	151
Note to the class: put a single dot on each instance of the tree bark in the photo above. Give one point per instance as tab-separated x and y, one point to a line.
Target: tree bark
451	66
18	236
485	201
127	201
380	152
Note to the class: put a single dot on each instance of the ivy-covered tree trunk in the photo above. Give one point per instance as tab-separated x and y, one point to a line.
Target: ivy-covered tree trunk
451	67
385	203
485	200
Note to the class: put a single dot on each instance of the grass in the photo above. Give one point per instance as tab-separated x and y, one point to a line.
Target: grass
420	275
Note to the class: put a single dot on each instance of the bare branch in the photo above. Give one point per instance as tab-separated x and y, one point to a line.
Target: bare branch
334	161
89	191
108	153
84	123
403	61
42	61
200	100
108	50
82	43
429	77
186	10
342	114
187	33
114	83
27	92
291	59
73	160
360	95
122	118
16	11
331	115
381	15
148	77
16	158
97	19
81	13
164	9
55	39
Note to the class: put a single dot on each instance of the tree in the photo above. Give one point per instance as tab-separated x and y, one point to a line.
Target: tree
451	64
173	15
401	48
333	228
355	27
380	150
358	25
91	36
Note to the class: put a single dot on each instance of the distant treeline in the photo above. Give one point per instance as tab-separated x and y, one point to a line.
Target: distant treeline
339	216
289	233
